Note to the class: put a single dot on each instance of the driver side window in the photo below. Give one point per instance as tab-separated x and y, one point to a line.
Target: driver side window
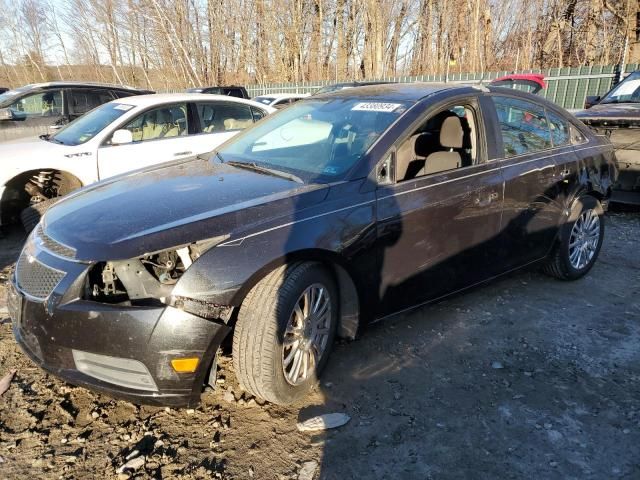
164	122
43	104
448	140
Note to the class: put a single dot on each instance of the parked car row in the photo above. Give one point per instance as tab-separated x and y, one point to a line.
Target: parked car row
342	209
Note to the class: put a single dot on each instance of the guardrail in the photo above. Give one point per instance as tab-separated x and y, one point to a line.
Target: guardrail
568	87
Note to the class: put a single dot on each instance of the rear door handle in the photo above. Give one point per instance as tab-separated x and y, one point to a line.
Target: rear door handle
181	153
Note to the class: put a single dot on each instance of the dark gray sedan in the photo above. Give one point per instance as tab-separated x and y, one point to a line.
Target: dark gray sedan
341	210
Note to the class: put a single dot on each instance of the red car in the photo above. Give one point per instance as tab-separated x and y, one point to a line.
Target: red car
534	81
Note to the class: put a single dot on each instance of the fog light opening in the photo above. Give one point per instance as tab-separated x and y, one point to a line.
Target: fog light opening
185	365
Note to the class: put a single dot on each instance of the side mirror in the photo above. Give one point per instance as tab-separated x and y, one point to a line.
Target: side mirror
6	114
591	100
121	137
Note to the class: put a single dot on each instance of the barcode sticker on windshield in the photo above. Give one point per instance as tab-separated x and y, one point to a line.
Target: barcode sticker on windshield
122	106
376	107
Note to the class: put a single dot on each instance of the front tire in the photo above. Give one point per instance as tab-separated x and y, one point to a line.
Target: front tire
581	239
31	215
285	331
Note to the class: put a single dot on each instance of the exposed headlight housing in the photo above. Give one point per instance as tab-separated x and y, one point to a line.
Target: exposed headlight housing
148	278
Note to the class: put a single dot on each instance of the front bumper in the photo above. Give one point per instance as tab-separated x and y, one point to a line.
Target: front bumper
108	339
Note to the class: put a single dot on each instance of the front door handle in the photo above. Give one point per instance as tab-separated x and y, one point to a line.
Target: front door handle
179	154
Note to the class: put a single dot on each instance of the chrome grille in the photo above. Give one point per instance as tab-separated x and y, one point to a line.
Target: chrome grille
53	246
36	279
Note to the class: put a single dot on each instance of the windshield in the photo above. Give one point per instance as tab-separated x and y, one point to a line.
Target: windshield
317	140
627	91
89	125
264	100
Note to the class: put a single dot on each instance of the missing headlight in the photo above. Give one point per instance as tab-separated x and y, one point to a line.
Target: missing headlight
150	277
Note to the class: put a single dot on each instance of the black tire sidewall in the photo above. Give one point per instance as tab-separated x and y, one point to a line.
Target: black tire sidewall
314	273
31	215
578	206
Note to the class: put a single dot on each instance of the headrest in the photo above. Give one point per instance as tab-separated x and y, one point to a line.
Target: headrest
451	133
164	116
149	119
423	144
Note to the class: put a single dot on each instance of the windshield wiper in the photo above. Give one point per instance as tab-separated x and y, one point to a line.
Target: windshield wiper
268	171
47	137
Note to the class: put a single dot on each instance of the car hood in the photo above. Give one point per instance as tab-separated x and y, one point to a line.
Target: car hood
611	114
29	147
20	155
171	205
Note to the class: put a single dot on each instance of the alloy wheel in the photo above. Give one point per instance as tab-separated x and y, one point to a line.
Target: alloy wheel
584	239
307	334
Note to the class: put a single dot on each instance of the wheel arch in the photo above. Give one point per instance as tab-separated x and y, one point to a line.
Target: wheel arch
585	191
14	197
21	178
349	291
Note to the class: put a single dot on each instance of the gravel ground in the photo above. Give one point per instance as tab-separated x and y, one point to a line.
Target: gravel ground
526	377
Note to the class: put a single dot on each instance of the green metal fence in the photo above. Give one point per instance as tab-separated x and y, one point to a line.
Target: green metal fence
567	87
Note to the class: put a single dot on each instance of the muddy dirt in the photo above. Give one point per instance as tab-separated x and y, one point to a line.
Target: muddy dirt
526	377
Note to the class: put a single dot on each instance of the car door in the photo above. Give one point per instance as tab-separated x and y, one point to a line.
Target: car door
34	113
438	223
218	122
566	138
532	207
160	134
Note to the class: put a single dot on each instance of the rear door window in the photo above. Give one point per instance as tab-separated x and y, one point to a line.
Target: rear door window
235	92
223	117
523	125
559	129
81	101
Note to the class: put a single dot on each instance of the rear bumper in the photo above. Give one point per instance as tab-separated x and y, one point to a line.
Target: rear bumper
109	348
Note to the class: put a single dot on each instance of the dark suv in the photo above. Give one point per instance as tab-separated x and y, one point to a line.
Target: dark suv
230	91
36	109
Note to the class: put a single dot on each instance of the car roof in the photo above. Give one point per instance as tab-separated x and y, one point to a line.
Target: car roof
411	92
60	84
162	98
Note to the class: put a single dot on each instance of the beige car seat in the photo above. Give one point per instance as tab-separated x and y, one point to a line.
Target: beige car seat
451	139
233	124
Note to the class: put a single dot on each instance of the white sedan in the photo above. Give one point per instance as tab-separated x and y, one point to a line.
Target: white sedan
280	100
122	135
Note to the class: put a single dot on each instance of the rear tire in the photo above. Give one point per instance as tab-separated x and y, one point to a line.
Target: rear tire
577	249
276	329
31	215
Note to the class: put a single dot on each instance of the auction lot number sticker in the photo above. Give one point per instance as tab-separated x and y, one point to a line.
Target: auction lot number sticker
375	107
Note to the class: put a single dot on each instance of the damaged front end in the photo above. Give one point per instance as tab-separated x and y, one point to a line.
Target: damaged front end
150	279
624	134
115	326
